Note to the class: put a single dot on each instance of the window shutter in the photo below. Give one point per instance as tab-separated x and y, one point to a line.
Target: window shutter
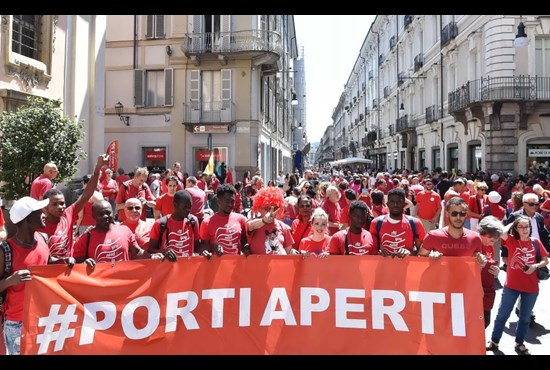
168	87
149	27
194	96
198	41
226	95
159	27
225	29
139	97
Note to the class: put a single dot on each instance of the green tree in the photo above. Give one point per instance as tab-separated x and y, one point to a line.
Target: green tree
37	133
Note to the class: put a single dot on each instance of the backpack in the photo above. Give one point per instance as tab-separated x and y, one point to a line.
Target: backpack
6	247
542	272
8	259
164	227
380	220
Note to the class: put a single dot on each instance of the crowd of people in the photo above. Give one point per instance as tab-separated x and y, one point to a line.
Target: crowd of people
315	214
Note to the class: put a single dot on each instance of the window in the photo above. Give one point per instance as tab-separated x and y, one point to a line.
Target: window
209	95
27	44
436	158
26	35
542	57
474	157
155	27
153	88
421	159
453	158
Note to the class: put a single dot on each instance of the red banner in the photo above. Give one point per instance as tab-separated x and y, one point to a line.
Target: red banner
155	155
257	305
112	151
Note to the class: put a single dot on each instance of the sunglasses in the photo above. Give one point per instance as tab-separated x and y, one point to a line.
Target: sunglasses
457	214
531	204
305	205
131	208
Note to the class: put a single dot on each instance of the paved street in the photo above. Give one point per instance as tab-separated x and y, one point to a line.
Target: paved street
538	337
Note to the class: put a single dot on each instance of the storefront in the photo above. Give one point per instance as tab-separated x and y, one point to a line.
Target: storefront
538	156
202	155
154	158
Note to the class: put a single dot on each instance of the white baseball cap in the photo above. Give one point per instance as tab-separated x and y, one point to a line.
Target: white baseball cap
24	207
494	197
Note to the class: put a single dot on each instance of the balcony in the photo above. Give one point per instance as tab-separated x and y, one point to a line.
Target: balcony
449	32
248	44
407	20
374	103
393	42
371	137
418	62
387	91
400	78
208	113
391	130
516	88
404	124
433	113
381	59
361	116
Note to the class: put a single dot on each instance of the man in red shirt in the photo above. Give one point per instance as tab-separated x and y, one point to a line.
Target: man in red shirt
121	176
454	240
140	228
25	248
354	240
395	236
135	188
43	183
61	219
428	206
181	231
225	231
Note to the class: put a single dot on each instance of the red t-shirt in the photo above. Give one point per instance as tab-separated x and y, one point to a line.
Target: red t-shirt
165	204
107	186
271	238
312	246
224	231
198	200
40	186
121	178
393	236
106	247
300	230
427	203
61	233
488	279
127	191
142	232
441	241
181	236
1	217
357	244
521	253
333	212
22	258
87	219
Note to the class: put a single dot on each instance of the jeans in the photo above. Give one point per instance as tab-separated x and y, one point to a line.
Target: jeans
507	302
12	336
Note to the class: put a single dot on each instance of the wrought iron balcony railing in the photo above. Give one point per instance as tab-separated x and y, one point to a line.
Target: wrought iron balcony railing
449	32
418	61
433	113
232	42
515	88
209	112
404	124
407	20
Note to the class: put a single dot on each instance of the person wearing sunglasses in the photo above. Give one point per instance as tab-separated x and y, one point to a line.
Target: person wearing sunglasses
477	205
538	229
454	239
133	221
301	226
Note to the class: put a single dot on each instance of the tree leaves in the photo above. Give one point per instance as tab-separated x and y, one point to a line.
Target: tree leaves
37	133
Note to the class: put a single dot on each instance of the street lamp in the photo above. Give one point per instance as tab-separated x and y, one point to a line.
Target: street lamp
521	39
119	108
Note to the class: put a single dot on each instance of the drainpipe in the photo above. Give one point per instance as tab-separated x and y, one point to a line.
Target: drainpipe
443	164
377	90
135	41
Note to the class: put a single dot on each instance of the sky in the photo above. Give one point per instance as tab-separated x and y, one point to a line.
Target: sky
331	47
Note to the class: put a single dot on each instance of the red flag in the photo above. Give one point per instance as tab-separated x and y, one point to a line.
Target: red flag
112	151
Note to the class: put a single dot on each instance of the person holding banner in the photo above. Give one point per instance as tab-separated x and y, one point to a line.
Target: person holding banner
108	242
354	240
225	231
140	228
454	239
180	232
25	248
267	234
